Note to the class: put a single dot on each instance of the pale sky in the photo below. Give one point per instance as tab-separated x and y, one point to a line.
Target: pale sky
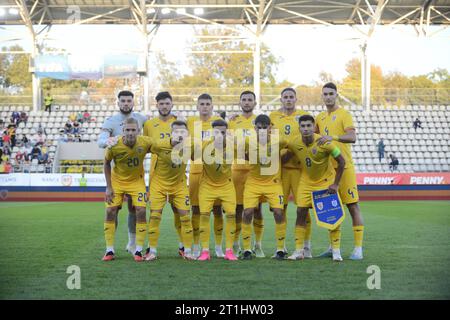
305	50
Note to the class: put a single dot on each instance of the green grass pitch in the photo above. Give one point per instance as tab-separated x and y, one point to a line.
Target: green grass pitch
408	241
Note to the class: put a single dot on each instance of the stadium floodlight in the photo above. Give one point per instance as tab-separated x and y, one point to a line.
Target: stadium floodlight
199	11
13	11
181	11
150	10
2	12
165	11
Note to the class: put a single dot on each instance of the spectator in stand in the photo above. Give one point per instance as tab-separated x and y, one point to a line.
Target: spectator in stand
36	152
68	127
15	117
28	152
43	157
39	139
73	117
23	117
48	101
394	163
417	124
381	147
80	118
25	140
6	138
6	151
86	116
41	129
20	156
76	128
12	134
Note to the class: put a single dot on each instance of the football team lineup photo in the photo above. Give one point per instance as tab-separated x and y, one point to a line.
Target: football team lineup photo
149	163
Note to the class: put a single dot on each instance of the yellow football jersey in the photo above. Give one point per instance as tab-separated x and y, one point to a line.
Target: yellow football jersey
245	127
159	130
166	172
314	159
205	134
217	174
288	127
129	162
334	124
264	171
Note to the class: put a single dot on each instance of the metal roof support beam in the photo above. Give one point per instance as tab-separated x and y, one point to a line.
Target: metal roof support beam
303	16
36	83
365	62
257	52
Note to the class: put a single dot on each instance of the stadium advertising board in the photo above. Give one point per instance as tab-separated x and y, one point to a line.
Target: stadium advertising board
435	178
69	67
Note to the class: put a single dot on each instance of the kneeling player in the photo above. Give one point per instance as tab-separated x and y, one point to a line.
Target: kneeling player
169	181
216	185
317	174
127	177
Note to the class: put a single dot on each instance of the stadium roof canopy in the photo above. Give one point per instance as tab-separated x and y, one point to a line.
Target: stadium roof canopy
229	11
255	15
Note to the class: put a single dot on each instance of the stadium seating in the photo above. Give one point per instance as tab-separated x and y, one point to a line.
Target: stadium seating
426	149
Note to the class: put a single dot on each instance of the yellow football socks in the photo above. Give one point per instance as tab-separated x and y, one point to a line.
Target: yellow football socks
153	229
246	235
109	228
230	230
308	227
358	233
300	235
195	227
280	233
204	230
177	224
141	232
218	229
186	230
335	236
258	228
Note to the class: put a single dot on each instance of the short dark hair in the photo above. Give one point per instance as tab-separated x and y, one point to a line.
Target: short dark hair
247	92
289	89
131	120
163	95
125	93
204	96
178	123
306	117
262	119
219	123
330	85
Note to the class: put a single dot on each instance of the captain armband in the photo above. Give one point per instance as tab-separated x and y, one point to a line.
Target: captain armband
336	152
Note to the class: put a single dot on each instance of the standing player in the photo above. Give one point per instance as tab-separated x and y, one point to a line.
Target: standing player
243	125
264	180
317	174
169	184
216	185
200	128
111	128
127	177
286	121
159	128
336	124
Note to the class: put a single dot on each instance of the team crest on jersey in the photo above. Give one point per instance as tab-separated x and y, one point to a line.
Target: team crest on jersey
297	118
156	125
334	118
140	149
314	151
320	205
